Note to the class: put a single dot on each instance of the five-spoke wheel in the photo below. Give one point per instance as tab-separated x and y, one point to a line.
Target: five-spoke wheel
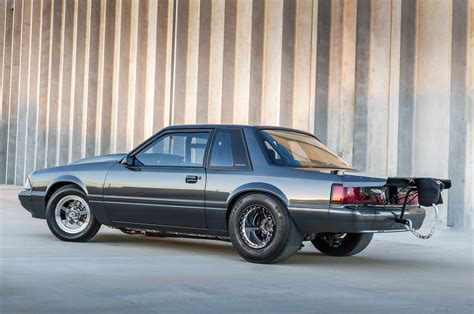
72	214
69	216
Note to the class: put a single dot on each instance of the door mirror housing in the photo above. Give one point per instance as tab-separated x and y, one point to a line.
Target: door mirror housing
130	161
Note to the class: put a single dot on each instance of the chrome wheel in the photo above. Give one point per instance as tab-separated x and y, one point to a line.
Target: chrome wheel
72	214
257	226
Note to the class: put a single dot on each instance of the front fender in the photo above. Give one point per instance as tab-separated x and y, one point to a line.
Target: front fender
66	179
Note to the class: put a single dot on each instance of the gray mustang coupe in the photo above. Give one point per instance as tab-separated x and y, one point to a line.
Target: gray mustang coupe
267	189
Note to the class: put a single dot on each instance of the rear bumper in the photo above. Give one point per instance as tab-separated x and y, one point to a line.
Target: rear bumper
32	203
355	219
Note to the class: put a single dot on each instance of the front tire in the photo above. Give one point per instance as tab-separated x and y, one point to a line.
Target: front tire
262	231
69	216
342	244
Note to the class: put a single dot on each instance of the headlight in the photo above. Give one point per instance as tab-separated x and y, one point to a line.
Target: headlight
27	184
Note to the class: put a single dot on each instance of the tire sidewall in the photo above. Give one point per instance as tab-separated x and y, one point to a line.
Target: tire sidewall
85	234
283	224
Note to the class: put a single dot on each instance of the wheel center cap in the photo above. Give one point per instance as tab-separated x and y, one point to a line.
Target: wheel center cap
266	226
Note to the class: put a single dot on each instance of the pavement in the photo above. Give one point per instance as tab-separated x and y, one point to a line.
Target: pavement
115	273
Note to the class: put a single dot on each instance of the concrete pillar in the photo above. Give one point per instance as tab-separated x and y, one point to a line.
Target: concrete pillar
433	68
341	96
14	88
407	88
132	73
359	160
67	100
216	61
33	97
23	107
458	115
378	96
205	19
304	65
322	74
192	53
394	88
272	63
242	61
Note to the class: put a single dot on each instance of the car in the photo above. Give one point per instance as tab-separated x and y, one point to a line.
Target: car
266	189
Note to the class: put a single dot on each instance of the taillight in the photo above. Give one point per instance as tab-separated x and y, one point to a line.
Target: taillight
357	195
402	194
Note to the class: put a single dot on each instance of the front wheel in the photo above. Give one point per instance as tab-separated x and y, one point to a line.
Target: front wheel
262	231
69	217
342	244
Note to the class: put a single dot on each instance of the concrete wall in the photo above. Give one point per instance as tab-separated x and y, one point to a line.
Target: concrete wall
388	85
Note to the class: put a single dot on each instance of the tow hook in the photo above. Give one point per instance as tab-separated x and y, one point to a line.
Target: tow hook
409	225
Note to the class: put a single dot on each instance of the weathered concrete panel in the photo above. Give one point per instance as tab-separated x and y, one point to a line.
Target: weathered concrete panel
256	62
242	61
67	78
361	84
216	60
204	60
459	117
322	70
22	129
287	63
13	104
272	55
407	88
341	97
230	23
431	132
378	88
381	82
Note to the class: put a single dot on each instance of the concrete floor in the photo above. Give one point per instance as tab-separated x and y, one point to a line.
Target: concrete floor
121	273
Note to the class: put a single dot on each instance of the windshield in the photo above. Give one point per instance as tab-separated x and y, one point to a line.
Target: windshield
294	149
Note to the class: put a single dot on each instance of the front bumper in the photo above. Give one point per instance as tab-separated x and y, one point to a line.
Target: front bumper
355	219
32	203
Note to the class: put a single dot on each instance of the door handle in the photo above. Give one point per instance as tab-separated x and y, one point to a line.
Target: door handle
191	179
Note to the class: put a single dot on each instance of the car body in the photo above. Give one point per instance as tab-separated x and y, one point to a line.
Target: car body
170	193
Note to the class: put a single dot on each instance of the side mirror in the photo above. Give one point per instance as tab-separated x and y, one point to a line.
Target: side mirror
130	161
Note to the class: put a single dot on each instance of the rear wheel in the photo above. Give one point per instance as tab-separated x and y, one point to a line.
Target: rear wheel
262	231
69	217
342	244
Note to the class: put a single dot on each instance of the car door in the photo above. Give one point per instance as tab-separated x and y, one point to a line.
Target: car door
165	185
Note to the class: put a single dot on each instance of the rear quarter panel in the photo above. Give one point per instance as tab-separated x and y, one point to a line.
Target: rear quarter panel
300	191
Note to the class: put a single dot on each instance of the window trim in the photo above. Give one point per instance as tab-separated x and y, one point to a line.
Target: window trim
249	167
160	135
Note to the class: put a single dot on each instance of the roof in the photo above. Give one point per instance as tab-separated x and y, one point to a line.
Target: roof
215	125
243	126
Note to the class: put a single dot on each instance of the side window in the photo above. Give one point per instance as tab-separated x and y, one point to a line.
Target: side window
178	149
228	150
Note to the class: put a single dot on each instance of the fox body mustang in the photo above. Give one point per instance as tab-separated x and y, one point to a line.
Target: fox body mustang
267	189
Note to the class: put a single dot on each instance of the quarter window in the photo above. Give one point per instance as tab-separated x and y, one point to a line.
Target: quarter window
229	150
176	149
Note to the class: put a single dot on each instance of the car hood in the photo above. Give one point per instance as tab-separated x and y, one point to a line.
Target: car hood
102	158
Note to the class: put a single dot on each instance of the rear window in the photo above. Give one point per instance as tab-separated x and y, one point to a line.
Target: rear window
294	149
